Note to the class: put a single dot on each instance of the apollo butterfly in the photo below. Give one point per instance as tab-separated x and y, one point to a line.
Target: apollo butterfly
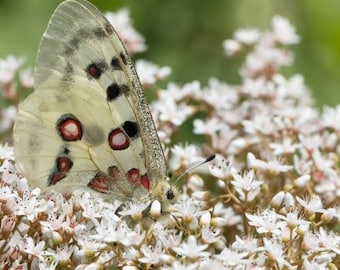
87	124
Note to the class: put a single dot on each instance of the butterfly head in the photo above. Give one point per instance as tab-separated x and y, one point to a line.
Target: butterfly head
164	192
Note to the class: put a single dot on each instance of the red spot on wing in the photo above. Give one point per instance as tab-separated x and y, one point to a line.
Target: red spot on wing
100	183
69	128
133	175
145	181
64	164
94	70
115	173
56	177
118	140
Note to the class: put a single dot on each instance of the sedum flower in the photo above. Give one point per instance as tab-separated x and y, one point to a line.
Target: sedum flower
150	73
246	186
267	221
8	67
284	32
121	20
155	255
191	248
265	127
247	36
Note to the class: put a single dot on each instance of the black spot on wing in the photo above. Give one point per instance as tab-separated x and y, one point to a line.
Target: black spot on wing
130	128
66	151
115	63
113	91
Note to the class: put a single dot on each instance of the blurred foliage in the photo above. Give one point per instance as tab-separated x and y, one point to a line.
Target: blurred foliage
187	35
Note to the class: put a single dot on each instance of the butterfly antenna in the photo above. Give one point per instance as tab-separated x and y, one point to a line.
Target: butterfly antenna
210	158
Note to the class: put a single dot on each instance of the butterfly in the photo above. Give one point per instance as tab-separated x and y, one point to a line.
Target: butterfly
87	124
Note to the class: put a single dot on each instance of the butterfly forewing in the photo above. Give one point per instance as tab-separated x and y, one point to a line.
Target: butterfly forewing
87	122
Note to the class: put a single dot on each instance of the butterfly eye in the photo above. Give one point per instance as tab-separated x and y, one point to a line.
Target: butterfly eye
170	194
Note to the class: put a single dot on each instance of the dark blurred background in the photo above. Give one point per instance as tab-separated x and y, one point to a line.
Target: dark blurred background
187	35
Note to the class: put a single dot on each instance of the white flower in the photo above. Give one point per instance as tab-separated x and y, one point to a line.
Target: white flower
273	166
245	244
231	257
310	241
191	248
231	47
229	216
150	73
89	206
321	162
64	252
267	221
26	78
210	235
121	21
247	36
7	116
30	206
330	213
276	251
169	238
177	93
331	117
246	186
48	263
294	220
313	204
8	67
188	209
55	221
134	209
185	156
208	127
170	111
137	235
221	96
302	165
112	230
220	167
9	173
284	147
6	152
284	32
329	241
314	264
302	180
31	247
155	255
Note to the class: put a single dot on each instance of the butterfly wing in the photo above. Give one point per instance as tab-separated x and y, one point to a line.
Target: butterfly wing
87	122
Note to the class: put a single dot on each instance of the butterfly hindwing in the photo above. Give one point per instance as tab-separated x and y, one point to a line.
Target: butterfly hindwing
87	124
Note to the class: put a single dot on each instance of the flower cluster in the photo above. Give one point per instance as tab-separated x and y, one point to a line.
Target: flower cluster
267	201
13	81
